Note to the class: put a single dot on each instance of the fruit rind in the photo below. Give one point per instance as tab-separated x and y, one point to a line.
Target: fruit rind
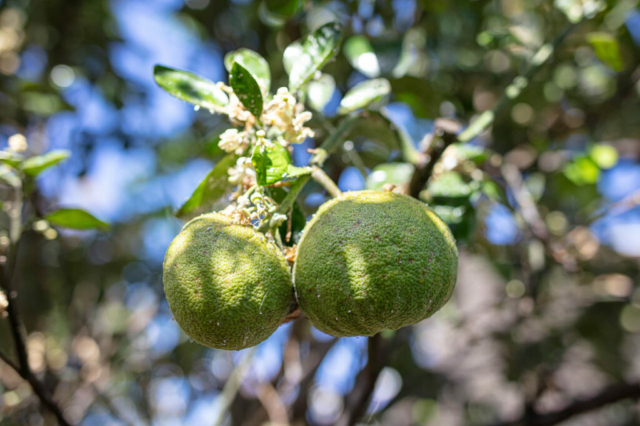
373	260
227	285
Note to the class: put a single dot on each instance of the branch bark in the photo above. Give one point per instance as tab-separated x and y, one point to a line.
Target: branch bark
443	136
18	333
609	395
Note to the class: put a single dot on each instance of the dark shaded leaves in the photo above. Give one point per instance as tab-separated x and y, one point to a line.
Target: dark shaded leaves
212	187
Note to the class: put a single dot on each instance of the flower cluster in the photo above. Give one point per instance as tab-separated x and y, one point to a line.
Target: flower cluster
283	119
285	114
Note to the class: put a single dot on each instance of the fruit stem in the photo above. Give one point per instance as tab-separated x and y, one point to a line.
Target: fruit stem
332	142
323	179
268	223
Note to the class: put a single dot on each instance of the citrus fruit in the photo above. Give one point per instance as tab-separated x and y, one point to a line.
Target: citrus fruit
373	260
227	286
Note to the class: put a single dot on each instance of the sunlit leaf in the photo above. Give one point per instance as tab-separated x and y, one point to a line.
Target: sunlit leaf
252	62
212	187
312	53
9	176
450	188
461	220
582	171
361	56
607	50
291	54
320	91
413	59
605	156
468	152
246	89
11	158
190	88
363	94
273	164
395	173
34	165
493	191
76	219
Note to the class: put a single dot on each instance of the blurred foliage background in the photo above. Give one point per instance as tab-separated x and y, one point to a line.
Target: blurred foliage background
544	325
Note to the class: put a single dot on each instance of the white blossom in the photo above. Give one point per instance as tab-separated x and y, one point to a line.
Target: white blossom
234	141
242	172
18	143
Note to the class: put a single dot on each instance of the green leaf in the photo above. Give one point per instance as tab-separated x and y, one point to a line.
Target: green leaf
246	89
451	189
252	62
291	54
76	219
35	165
582	171
273	164
191	88
284	8
467	152
276	12
312	53
361	56
605	156
395	173
494	191
364	93
212	187
320	91
10	158
460	219
9	177
607	50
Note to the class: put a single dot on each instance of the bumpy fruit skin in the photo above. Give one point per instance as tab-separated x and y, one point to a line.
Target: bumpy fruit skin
227	287
373	260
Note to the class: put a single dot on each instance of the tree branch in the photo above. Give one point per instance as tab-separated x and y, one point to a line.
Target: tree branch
7	270
423	171
327	183
609	395
443	136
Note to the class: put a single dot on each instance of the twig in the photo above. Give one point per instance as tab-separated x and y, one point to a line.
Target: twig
332	142
327	183
619	207
286	204
486	119
525	201
10	363
317	352
273	405
516	87
609	395
355	158
443	136
7	270
233	385
358	400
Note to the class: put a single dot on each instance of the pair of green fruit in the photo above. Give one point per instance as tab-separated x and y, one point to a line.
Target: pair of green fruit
367	261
